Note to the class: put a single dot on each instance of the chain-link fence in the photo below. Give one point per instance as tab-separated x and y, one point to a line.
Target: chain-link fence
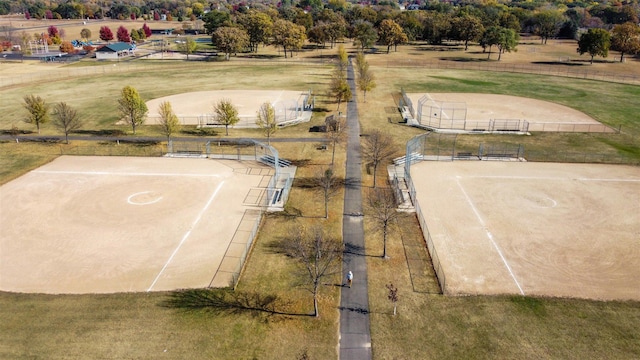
563	71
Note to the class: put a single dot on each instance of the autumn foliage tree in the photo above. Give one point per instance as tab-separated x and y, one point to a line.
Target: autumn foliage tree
267	120
106	34
230	40
391	34
132	108
226	113
38	110
67	47
123	34
626	39
147	30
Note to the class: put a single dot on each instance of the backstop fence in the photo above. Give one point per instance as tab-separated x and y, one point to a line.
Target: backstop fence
441	114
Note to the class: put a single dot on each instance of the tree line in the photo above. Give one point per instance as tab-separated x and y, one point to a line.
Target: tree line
291	24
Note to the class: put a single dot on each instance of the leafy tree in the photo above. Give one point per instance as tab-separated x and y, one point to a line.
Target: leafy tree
595	42
267	120
626	39
361	63
436	27
169	123
259	27
38	110
106	34
490	37
467	28
85	34
391	34
366	82
364	35
357	14
53	31
507	41
123	34
226	113
318	34
340	90
136	36
411	24
378	147
188	46
66	119
318	256
230	40
547	23
288	35
336	30
215	19
67	47
147	30
132	108
343	62
382	207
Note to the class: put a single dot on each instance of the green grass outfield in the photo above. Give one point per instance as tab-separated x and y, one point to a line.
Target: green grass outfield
428	325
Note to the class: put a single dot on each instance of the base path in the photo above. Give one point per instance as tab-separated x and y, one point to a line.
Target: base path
355	333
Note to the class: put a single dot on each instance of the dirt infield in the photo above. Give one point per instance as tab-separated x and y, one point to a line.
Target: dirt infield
567	230
541	115
114	224
188	106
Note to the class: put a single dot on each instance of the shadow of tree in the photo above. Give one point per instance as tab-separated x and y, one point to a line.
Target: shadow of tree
354	309
103	132
227	301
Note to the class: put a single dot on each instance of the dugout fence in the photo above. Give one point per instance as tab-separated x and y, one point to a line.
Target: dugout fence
417	146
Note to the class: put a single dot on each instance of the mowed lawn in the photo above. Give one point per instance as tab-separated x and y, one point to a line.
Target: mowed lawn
428	325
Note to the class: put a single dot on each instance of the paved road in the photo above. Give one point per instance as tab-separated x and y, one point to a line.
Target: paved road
355	333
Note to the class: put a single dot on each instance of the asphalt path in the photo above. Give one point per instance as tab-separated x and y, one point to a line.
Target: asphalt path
355	333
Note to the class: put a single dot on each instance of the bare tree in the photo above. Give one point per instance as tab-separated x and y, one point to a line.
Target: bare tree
377	148
383	210
336	133
267	120
327	182
169	123
226	113
66	119
317	254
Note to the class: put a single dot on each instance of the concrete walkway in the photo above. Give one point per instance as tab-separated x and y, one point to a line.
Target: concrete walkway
355	333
